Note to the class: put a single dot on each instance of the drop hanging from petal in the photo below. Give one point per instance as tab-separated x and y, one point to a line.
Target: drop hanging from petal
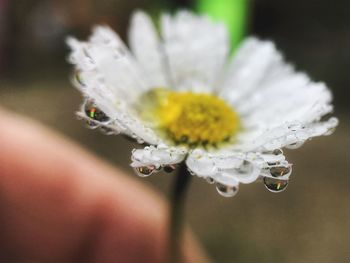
295	145
210	180
77	78
107	131
277	152
145	171
226	191
275	185
278	171
94	113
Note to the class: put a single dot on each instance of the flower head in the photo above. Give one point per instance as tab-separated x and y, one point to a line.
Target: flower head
179	92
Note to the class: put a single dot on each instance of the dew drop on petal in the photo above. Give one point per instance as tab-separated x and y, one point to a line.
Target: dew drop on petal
330	131
77	78
277	171
140	141
144	171
277	152
210	180
295	145
94	113
106	131
275	185
91	124
246	168
225	190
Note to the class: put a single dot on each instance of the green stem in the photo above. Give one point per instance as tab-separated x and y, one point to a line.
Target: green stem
181	184
234	13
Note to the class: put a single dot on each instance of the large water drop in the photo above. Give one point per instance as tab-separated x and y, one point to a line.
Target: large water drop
275	185
94	113
226	191
277	171
144	171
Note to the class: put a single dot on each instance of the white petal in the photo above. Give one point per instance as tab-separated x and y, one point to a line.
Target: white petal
292	133
261	86
196	50
270	97
157	156
145	45
224	167
109	76
121	121
266	91
200	163
249	66
294	98
105	59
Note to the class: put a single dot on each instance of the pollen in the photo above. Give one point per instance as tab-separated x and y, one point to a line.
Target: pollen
194	118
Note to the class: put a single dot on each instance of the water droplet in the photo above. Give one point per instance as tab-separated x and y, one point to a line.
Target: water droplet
145	171
330	131
106	130
94	113
78	79
140	141
277	171
210	180
275	185
245	168
91	124
295	145
277	152
226	191
272	164
169	168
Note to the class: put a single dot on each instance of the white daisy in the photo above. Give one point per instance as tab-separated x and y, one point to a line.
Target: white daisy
180	93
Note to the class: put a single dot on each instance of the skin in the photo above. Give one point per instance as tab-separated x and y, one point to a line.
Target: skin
59	203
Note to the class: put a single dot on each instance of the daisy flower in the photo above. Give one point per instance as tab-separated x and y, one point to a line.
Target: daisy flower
178	91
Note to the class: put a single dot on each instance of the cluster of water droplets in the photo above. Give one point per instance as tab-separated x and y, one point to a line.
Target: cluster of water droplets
275	174
275	177
277	181
145	171
276	184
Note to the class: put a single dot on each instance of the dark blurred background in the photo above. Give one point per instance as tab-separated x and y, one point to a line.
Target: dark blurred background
310	222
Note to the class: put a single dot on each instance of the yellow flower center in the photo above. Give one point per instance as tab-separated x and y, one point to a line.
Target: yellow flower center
191	118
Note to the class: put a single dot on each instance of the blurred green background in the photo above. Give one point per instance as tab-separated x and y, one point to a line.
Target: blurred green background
310	222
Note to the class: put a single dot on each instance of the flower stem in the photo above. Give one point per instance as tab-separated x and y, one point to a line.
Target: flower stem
181	184
234	13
